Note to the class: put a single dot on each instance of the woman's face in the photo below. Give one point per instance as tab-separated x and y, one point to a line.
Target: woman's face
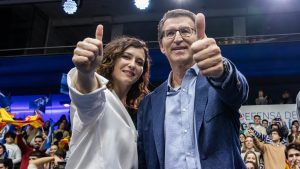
250	166
62	126
242	138
129	67
294	129
249	143
251	157
53	149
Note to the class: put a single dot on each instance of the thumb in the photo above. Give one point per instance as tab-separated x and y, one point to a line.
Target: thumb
200	26
99	32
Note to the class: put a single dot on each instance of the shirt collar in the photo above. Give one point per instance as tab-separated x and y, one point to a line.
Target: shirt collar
194	70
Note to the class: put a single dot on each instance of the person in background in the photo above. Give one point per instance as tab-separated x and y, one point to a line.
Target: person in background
105	86
250	165
13	150
293	155
273	154
257	126
294	135
242	139
39	160
249	146
265	123
298	106
178	121
280	122
251	156
286	98
261	98
5	164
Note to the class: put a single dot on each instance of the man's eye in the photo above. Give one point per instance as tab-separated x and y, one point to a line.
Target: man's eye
170	33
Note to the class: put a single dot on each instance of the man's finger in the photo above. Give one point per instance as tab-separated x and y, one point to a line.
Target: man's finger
200	26
99	32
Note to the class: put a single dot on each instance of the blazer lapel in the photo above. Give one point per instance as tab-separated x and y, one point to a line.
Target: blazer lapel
158	100
200	101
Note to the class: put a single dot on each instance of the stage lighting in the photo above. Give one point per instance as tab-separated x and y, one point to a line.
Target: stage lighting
141	4
70	6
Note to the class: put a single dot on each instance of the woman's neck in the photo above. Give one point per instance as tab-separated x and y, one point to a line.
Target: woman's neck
121	92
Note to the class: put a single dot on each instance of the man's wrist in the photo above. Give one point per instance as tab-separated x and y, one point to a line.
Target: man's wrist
222	78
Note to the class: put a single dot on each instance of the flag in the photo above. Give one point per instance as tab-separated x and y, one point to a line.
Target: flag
40	103
36	121
64	143
5	116
64	89
5	101
9	128
49	136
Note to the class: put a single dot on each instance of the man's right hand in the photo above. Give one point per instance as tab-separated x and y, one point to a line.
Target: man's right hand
88	53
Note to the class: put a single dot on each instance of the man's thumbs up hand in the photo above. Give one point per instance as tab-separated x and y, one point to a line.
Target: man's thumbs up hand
206	52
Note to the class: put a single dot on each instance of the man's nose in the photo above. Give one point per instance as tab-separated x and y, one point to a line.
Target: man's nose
178	36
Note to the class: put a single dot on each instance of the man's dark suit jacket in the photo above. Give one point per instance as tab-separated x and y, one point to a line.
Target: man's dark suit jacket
217	124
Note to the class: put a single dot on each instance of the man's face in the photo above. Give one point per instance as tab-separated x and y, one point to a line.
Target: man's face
265	124
9	140
256	120
37	142
293	156
178	49
275	136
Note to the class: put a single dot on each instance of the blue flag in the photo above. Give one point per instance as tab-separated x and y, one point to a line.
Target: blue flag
5	102
64	89
40	103
49	136
9	128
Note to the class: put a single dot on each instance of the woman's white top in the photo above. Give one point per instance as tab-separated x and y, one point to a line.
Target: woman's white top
103	134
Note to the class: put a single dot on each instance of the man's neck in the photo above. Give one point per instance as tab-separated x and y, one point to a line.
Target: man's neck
178	73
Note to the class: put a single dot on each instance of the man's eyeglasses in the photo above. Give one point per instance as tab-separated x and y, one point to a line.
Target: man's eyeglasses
183	31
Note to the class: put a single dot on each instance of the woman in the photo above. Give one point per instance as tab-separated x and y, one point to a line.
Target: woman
242	139
294	136
251	165
103	134
249	146
251	156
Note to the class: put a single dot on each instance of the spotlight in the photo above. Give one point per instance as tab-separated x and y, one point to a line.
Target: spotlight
70	6
141	4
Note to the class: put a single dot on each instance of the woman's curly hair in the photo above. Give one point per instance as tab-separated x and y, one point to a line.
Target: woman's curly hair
111	52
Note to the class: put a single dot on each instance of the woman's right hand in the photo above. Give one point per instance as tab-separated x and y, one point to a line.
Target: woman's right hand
87	57
89	53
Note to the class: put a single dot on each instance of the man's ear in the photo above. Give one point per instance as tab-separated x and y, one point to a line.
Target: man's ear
161	48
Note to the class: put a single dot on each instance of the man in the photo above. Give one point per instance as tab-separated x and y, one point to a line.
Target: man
293	155
265	123
257	126
26	150
273	154
192	119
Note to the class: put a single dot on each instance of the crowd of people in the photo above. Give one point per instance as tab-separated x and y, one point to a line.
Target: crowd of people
271	146
35	148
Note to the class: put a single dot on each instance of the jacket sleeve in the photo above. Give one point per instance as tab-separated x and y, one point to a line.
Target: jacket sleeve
141	151
234	89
